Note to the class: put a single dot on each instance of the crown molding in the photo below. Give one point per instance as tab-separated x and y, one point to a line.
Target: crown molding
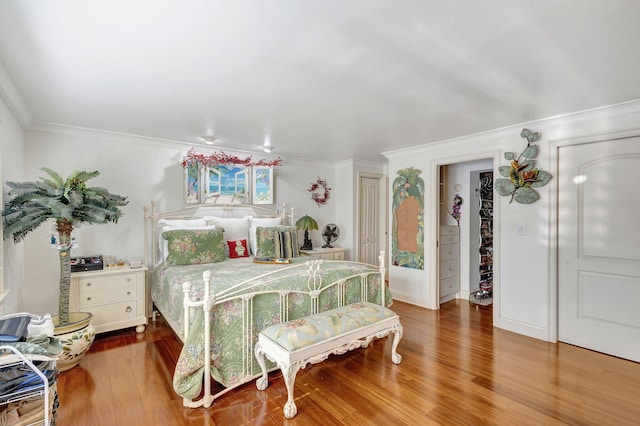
594	114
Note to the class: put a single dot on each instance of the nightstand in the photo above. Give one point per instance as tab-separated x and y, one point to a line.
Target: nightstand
334	253
116	296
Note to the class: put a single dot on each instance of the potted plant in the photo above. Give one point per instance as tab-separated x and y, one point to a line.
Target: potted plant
69	203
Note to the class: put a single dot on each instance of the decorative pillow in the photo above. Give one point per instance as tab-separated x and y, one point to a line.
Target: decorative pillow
238	248
194	246
264	239
285	244
254	222
235	228
170	224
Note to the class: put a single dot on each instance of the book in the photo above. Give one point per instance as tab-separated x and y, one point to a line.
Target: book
14	329
274	260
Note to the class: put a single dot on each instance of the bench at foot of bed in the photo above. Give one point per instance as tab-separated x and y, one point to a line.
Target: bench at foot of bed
311	339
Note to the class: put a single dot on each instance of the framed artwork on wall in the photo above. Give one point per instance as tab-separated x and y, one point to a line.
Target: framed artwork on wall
262	184
192	183
226	184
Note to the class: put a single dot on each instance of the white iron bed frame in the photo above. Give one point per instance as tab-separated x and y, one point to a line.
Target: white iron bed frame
313	277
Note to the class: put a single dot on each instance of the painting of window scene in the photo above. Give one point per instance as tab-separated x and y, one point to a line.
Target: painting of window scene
226	184
262	185
191	184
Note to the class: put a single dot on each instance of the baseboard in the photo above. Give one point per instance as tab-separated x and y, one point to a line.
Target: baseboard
409	298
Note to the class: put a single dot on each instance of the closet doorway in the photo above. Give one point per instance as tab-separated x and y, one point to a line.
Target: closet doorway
469	185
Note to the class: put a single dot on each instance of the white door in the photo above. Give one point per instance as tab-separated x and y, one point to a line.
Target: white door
369	220
599	246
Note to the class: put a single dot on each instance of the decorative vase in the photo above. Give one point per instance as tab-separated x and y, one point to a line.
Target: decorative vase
75	337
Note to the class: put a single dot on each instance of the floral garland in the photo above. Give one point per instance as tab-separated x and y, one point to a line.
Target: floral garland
320	191
218	158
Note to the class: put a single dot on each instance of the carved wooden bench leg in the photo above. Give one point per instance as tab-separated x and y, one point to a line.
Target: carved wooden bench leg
396	358
289	373
262	381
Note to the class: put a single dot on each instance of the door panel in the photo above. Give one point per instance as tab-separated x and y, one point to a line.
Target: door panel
369	220
598	248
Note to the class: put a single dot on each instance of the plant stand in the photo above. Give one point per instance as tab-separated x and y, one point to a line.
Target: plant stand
76	338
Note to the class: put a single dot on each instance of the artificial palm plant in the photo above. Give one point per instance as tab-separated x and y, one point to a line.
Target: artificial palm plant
69	203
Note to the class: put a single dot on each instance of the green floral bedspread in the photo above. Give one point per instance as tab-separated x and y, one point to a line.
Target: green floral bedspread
228	365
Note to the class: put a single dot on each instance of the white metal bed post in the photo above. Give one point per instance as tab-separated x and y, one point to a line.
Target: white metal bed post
207	304
383	285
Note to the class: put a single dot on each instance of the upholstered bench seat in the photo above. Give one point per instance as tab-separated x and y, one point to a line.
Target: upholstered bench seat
311	339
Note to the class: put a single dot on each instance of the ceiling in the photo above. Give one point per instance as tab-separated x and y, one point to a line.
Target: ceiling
329	80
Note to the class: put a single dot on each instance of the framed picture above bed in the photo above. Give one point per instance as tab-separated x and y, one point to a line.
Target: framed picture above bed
221	178
226	184
262	184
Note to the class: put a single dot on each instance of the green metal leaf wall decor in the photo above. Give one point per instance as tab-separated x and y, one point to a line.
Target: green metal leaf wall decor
521	176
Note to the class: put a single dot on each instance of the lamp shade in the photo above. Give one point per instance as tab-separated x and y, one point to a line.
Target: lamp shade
306	222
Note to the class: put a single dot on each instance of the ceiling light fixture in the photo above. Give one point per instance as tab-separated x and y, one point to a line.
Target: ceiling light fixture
209	140
267	147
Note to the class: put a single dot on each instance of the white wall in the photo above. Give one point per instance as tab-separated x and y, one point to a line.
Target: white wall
143	170
11	161
524	278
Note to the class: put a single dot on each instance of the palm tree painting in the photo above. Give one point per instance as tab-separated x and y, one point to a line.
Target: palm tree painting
69	203
408	219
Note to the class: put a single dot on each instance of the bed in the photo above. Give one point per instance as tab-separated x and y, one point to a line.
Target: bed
217	303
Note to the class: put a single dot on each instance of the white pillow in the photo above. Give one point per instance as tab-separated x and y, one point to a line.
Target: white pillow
182	223
254	222
235	228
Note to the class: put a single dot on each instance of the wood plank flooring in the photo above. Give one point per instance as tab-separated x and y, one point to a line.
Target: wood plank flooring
456	370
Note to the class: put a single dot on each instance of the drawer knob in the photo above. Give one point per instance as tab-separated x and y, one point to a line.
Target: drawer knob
88	299
128	279
128	293
129	309
88	284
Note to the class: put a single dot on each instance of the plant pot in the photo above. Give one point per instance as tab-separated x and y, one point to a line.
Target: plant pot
75	337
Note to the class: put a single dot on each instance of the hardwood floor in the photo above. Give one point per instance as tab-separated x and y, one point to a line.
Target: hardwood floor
456	370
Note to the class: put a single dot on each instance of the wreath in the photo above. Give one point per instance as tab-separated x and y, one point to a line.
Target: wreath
320	191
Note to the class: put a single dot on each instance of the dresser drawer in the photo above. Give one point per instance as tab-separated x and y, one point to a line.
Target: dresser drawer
449	239
105	289
449	269
449	252
449	286
121	311
449	230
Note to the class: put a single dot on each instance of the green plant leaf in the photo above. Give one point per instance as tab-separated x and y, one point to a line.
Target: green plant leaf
530	152
542	180
509	156
526	165
526	195
504	171
505	187
524	133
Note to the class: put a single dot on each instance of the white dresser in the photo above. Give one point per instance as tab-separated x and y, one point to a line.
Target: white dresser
334	253
116	296
449	256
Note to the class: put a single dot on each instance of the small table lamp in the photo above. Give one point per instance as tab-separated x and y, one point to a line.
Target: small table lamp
306	223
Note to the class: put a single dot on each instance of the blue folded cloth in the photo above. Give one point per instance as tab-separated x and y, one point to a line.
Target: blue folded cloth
14	329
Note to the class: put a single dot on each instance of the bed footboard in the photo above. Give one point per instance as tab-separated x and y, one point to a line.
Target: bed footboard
243	296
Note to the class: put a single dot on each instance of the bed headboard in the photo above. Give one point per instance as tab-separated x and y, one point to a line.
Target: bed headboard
194	211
